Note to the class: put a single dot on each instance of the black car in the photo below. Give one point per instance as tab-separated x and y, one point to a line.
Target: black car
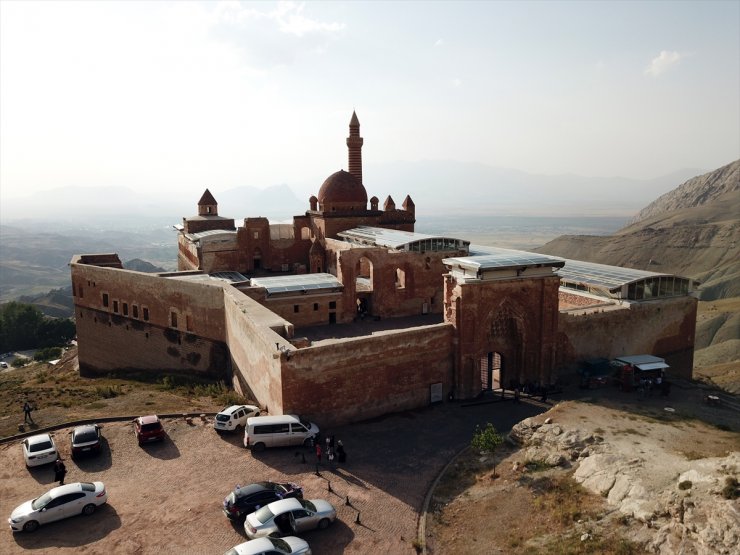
86	440
247	499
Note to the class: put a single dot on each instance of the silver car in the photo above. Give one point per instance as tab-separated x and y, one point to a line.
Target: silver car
289	516
58	503
272	546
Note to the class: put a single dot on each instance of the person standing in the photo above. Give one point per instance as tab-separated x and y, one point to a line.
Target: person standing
341	455
318	454
330	456
60	471
27	408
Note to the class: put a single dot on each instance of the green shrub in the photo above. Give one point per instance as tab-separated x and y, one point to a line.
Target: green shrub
20	362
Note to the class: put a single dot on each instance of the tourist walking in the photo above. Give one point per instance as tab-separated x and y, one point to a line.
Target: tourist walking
60	471
330	456
27	408
341	455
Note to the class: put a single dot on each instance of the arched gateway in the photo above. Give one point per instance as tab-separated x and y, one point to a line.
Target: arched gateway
505	308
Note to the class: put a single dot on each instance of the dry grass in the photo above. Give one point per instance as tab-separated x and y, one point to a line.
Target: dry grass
61	395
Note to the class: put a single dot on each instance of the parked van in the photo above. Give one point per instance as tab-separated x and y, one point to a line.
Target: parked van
275	431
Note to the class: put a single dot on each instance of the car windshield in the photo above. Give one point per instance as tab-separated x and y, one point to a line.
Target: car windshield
41	502
308	505
153	427
41	446
223	417
305	422
86	436
264	514
280	544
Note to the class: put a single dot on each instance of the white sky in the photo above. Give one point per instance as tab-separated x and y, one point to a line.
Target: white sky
168	96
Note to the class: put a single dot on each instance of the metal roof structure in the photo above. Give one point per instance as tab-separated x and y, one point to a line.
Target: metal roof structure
602	275
211	233
605	280
301	283
504	259
402	240
644	362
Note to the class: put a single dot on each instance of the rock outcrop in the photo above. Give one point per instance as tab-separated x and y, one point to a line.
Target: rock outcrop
680	499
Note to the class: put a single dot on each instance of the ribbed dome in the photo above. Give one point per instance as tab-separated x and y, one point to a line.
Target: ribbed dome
342	187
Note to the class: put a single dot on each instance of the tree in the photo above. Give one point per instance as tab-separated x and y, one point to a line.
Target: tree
486	440
19	323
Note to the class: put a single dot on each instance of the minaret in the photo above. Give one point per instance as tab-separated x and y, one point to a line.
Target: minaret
354	144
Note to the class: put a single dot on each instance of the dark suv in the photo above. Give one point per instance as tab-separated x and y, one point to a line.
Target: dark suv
247	499
86	440
148	428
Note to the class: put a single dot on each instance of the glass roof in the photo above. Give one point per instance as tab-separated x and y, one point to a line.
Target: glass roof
484	258
587	273
297	283
512	259
211	232
395	239
602	275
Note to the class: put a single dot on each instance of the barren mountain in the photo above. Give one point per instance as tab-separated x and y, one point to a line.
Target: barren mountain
703	189
691	231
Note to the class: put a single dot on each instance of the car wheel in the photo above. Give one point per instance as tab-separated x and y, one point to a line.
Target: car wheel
323	523
258	447
88	509
30	526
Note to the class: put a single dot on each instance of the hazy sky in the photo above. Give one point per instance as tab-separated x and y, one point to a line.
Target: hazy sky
165	96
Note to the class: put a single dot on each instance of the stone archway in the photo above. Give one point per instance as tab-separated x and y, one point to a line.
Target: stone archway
506	340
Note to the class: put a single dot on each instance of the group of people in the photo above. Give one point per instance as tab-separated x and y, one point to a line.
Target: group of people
646	386
333	454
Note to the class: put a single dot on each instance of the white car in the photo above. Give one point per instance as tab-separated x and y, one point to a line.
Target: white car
39	449
289	516
232	417
289	545
57	503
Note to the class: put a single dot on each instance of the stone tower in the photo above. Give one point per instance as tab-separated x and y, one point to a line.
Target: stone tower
354	144
207	205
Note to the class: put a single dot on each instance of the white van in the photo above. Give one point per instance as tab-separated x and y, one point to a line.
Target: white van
275	431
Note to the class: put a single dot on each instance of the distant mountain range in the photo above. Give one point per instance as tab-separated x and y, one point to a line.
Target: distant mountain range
437	187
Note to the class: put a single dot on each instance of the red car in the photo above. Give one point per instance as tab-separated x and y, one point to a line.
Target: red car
148	428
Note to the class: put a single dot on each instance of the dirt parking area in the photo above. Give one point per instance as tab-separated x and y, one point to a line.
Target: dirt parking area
166	498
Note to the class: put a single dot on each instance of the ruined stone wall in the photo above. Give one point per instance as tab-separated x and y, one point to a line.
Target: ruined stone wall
306	310
253	344
149	323
365	377
663	328
404	283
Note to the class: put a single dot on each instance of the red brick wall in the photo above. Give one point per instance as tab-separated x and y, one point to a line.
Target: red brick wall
663	328
108	342
255	358
370	376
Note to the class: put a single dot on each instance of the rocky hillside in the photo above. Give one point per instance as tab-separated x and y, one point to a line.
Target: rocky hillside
703	189
691	231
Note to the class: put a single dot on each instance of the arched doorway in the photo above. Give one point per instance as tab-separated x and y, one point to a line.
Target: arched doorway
257	259
364	286
491	370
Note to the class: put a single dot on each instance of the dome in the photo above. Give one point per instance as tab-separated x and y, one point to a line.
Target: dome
342	187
